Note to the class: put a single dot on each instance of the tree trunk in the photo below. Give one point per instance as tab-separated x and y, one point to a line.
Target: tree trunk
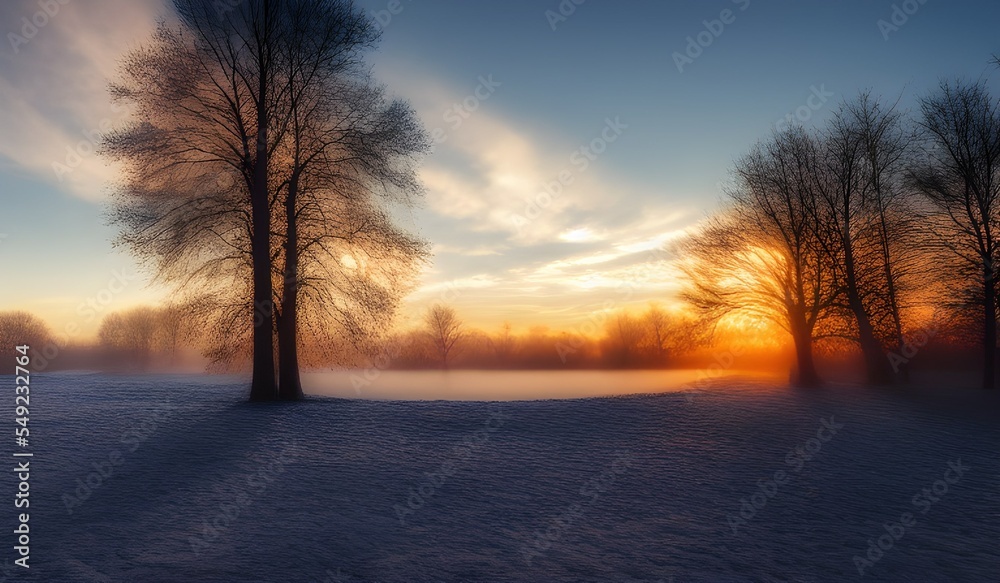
877	365
902	369
990	336
805	374
289	383
263	386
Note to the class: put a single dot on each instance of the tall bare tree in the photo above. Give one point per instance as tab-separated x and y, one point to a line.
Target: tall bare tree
196	201
863	147
766	256
961	180
255	140
329	38
350	153
891	237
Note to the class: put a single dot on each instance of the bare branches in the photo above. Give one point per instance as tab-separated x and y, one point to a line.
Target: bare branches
260	150
961	181
445	332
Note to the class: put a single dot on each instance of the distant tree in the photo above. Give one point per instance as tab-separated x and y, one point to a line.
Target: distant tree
658	325
20	328
624	335
445	332
175	327
132	333
503	345
961	181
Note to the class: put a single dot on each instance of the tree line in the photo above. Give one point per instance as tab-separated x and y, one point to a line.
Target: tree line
153	338
653	338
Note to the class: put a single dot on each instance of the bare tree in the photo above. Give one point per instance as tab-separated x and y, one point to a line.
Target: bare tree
256	140
503	345
624	336
351	153
765	257
196	200
445	332
962	183
658	325
890	238
860	153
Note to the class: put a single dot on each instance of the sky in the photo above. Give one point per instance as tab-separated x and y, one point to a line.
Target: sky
573	139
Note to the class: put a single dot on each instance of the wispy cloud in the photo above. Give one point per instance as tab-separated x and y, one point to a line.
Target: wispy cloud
561	258
511	248
54	88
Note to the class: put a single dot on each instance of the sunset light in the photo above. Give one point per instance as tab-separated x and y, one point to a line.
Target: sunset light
500	291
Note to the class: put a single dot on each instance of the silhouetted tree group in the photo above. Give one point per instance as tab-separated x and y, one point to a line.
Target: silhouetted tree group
859	229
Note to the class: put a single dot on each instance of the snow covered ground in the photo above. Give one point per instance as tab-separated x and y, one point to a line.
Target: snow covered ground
152	479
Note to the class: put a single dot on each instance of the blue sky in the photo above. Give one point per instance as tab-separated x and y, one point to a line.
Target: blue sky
543	94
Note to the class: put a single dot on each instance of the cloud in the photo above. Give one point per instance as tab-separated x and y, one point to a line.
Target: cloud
54	88
523	226
557	237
